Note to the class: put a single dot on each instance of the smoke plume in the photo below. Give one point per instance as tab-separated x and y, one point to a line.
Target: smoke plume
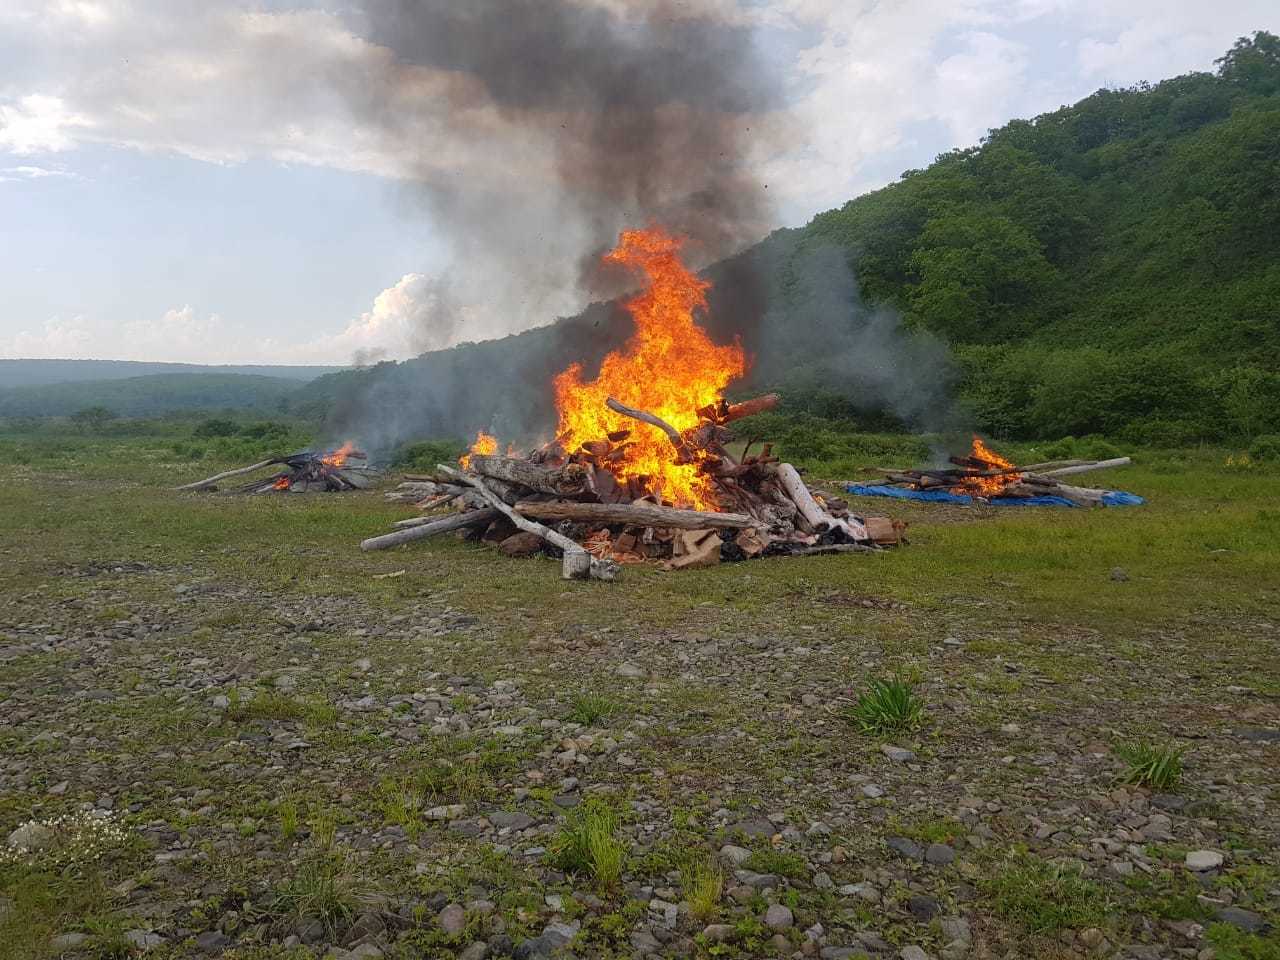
593	115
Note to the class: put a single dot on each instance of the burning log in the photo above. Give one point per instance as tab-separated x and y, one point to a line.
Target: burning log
634	514
562	481
653	420
458	521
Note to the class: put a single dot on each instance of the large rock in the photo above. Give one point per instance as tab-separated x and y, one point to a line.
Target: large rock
1202	860
779	917
31	836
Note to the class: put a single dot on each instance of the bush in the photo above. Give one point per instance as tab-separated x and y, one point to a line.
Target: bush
1266	448
207	429
425	454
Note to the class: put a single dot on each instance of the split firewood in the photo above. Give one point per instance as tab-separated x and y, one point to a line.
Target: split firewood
577	563
562	481
457	521
637	514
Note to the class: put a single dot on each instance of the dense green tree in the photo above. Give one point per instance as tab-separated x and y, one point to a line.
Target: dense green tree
1253	63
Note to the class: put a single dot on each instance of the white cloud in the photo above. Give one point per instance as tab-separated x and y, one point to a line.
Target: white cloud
415	314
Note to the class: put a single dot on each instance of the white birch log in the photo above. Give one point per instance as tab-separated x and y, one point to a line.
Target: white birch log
813	514
639	514
1086	467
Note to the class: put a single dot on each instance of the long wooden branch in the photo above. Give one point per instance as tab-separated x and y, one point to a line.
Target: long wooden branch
644	416
817	518
210	481
640	514
577	563
1086	467
457	521
562	481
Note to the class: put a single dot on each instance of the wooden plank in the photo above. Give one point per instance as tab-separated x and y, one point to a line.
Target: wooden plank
637	514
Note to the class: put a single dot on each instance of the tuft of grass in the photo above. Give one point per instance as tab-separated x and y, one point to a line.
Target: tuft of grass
272	705
324	829
588	845
320	889
590	708
1232	944
288	811
1151	765
701	884
888	706
402	803
1044	897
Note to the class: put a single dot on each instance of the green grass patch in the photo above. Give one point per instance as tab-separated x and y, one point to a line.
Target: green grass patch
589	709
701	885
1043	897
778	862
1151	765
1233	944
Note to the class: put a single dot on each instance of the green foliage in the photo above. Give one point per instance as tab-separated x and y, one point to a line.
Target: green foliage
778	862
888	706
1151	765
1266	448
590	708
215	428
93	418
1233	944
154	395
587	845
1043	897
425	454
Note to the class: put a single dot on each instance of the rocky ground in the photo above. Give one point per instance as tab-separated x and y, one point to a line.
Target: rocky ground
224	731
333	776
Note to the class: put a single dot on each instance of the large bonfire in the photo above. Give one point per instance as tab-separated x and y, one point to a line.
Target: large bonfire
640	468
669	368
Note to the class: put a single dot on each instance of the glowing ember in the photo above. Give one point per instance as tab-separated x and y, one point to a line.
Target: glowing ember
339	457
486	445
282	483
669	367
990	460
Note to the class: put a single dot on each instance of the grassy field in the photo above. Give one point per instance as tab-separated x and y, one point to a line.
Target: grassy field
471	757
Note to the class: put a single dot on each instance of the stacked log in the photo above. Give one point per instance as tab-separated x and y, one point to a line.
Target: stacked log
580	505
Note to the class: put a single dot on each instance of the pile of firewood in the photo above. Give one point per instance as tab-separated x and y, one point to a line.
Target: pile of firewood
575	504
303	472
983	479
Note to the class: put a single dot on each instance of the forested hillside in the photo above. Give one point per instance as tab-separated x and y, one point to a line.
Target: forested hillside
157	395
35	373
1112	267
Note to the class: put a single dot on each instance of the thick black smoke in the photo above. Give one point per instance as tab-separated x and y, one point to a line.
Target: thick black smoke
643	111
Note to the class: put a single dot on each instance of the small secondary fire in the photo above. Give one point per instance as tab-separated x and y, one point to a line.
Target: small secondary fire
330	471
984	475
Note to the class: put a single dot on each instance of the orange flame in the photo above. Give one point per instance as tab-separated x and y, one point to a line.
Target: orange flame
989	486
282	483
485	445
339	457
669	367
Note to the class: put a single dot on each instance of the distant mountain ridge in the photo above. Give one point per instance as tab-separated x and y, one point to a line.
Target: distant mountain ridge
35	373
159	394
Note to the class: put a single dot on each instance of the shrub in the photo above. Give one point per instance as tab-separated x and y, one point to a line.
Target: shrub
1266	448
425	454
887	706
208	429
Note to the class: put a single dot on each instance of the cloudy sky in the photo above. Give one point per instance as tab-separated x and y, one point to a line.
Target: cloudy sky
288	182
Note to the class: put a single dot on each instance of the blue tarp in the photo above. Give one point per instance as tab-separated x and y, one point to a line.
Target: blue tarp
1115	498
